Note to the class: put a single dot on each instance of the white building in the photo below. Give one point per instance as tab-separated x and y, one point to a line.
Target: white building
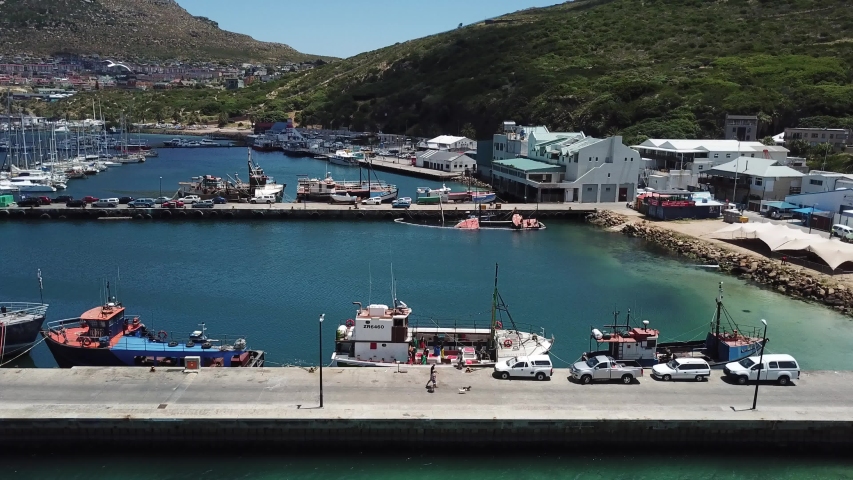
818	181
570	168
445	161
449	142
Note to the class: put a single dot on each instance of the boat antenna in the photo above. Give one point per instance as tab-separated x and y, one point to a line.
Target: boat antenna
109	294
370	288
628	321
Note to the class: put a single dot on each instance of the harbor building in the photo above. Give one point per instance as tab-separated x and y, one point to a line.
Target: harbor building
679	163
570	167
748	181
837	138
511	143
450	143
818	181
446	161
741	127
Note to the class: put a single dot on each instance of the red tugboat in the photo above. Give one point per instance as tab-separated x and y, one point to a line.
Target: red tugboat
108	336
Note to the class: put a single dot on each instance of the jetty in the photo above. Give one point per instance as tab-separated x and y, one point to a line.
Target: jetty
404	166
248	409
307	210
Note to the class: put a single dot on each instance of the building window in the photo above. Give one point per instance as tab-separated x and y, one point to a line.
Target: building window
716	155
596	159
608	176
822	135
590	159
757	182
816	182
814	135
752	155
728	155
830	136
734	129
701	167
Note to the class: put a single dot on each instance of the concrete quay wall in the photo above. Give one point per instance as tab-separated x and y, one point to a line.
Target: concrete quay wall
451	436
294	211
277	408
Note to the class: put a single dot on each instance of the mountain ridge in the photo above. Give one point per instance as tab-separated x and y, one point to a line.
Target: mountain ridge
128	30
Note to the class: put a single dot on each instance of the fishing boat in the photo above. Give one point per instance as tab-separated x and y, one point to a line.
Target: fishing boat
622	341
383	336
20	323
344	157
483	197
322	190
108	336
209	186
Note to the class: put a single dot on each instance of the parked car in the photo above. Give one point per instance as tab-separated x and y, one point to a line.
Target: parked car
191	199
160	200
264	199
604	368
90	199
173	204
203	204
106	203
29	202
402	202
839	230
372	201
63	199
682	369
44	200
536	366
76	203
220	200
777	367
124	200
141	203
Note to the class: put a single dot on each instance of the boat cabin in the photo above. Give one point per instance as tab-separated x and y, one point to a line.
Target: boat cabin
624	343
104	321
377	332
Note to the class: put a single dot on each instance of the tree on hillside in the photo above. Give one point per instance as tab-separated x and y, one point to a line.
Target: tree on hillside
768	141
468	131
799	147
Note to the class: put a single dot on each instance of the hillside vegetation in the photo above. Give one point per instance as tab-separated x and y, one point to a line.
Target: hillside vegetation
642	68
127	29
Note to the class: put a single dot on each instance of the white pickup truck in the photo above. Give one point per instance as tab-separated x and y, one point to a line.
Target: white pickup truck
604	368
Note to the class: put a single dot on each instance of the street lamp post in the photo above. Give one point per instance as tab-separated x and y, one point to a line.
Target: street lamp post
161	186
322	316
760	365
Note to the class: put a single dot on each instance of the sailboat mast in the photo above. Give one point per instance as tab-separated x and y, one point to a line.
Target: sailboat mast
719	307
494	310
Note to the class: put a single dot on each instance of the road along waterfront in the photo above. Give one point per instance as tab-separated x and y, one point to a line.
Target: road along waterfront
375	407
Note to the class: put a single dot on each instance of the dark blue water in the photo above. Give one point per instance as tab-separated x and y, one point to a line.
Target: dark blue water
180	164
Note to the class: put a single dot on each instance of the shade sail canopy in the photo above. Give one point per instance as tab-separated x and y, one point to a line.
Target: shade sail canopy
782	237
781	205
811	210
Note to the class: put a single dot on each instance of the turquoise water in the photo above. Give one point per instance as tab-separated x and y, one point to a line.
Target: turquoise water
270	281
426	467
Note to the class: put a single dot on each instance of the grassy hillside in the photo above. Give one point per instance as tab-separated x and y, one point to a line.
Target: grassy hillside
643	68
145	29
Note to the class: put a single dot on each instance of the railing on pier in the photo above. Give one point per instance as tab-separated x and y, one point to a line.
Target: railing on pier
23	308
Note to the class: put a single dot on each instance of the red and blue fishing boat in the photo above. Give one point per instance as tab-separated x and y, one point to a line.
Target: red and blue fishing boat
109	336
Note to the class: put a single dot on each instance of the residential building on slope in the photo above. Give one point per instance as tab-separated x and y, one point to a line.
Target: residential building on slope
838	138
741	127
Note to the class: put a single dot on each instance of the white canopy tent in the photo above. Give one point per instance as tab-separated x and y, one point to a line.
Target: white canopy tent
782	237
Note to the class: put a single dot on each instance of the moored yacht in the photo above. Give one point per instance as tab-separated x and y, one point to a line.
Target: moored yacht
383	336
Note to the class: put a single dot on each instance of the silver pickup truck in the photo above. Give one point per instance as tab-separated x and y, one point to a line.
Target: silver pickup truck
604	368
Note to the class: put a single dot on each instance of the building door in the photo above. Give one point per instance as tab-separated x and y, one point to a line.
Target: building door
623	194
590	193
574	194
608	192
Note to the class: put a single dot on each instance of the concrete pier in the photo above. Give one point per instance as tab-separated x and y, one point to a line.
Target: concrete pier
309	210
272	408
403	166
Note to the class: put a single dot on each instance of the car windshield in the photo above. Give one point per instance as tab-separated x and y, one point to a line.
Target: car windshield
746	363
672	364
592	362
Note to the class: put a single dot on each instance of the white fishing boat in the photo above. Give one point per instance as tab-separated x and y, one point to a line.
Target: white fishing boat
383	336
344	157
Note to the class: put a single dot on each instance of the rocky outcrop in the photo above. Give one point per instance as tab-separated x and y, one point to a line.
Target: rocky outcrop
606	218
784	279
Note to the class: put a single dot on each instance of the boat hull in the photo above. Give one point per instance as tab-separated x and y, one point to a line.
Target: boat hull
19	336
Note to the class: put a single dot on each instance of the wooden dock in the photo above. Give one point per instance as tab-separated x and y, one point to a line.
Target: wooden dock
308	210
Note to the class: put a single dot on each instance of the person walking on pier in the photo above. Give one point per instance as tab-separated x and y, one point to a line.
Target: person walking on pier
431	378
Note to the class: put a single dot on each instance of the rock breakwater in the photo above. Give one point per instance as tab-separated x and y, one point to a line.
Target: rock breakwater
785	279
606	219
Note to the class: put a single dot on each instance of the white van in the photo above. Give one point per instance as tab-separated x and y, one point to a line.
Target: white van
682	369
536	366
779	368
264	199
839	230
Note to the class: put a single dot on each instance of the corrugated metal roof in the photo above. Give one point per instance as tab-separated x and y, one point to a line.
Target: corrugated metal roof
529	165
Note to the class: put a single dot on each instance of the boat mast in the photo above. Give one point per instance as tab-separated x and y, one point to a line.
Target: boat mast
494	311
719	307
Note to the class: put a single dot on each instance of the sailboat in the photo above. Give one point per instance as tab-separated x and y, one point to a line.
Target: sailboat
379	335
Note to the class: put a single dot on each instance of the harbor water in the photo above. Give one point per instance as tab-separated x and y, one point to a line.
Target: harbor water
361	465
